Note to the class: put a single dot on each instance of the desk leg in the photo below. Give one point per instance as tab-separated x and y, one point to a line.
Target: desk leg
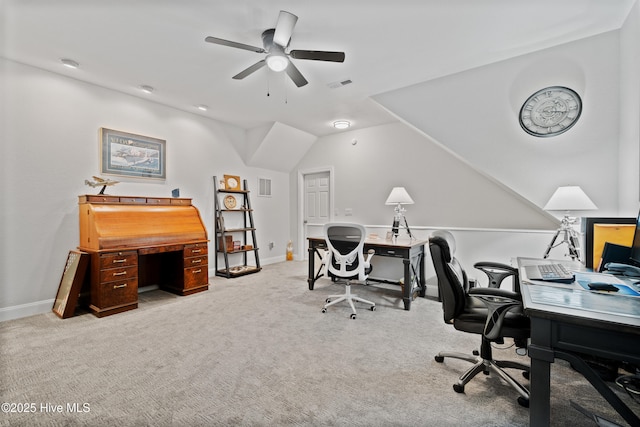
408	284
420	274
542	357
312	258
540	393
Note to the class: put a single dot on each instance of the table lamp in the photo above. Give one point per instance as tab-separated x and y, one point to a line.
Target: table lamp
568	198
399	197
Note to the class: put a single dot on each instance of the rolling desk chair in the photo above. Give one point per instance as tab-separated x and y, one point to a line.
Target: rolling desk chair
491	312
344	260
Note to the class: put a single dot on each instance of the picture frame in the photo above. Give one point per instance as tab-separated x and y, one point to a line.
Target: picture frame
588	230
70	286
232	182
128	154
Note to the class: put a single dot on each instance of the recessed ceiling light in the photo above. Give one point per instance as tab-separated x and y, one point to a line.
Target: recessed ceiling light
146	89
341	124
202	107
69	63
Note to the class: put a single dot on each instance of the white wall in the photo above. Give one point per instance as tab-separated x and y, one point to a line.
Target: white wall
469	167
629	155
50	146
475	114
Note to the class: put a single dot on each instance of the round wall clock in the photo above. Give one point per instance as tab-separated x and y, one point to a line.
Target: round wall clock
550	111
230	202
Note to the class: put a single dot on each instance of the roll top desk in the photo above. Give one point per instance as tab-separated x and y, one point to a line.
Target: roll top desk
135	242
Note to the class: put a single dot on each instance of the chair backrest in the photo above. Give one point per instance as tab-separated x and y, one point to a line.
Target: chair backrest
452	279
345	242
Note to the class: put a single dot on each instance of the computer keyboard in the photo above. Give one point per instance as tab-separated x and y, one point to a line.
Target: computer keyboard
550	272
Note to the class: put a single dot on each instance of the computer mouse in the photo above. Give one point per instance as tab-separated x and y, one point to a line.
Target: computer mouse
596	286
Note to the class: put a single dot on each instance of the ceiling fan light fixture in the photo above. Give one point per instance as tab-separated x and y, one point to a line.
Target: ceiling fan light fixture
341	124
146	89
277	62
202	107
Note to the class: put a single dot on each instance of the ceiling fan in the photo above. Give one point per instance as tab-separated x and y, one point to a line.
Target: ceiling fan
275	42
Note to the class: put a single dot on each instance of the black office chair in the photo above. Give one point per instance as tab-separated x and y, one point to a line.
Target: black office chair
491	312
344	261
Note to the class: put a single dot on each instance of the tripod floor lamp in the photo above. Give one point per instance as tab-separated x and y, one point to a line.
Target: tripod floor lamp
399	197
568	198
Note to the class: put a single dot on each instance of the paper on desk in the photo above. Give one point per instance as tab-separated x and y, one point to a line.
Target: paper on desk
584	279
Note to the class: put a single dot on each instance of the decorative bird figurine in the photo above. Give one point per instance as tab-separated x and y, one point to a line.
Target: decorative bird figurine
97	182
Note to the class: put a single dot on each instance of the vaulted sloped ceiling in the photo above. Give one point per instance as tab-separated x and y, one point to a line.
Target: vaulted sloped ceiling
277	146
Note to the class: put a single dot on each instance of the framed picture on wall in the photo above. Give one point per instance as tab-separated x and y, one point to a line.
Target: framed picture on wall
127	154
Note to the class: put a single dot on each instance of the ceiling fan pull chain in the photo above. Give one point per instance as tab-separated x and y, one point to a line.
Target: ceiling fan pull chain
268	90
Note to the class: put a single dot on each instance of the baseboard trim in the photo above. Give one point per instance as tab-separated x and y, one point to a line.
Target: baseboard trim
25	310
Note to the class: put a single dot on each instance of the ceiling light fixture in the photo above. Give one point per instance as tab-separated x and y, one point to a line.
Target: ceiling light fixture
202	107
146	89
277	61
341	124
70	63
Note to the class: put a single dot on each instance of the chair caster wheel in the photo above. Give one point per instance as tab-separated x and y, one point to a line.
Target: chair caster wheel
525	374
458	388
353	316
439	359
475	353
373	308
523	402
324	310
327	300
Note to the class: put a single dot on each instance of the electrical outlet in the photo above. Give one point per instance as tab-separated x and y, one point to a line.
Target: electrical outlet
271	245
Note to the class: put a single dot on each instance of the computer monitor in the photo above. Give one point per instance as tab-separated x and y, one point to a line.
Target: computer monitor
634	256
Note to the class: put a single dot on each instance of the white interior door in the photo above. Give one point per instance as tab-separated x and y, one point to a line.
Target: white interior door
317	201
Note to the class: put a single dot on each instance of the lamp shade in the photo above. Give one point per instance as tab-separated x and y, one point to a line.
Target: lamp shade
569	198
399	196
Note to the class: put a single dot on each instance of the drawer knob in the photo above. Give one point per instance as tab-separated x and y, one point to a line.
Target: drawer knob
122	273
196	251
119	261
196	261
197	271
124	285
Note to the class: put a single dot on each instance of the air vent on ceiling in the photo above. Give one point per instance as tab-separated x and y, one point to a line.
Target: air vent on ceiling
336	85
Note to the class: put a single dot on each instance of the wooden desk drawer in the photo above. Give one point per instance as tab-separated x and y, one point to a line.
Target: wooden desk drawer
196	261
102	199
390	252
138	200
197	249
117	293
195	276
117	274
118	259
154	201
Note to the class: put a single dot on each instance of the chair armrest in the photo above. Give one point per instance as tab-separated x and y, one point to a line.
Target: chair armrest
498	302
496	273
495	292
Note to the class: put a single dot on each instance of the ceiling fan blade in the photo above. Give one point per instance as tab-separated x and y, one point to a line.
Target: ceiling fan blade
284	28
296	75
224	42
317	55
255	67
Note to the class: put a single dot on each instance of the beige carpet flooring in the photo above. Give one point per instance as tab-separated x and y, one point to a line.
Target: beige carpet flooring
257	351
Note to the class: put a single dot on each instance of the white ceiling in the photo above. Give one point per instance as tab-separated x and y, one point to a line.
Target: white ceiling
122	44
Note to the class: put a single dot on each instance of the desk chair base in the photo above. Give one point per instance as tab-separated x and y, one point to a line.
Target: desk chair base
486	365
349	297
